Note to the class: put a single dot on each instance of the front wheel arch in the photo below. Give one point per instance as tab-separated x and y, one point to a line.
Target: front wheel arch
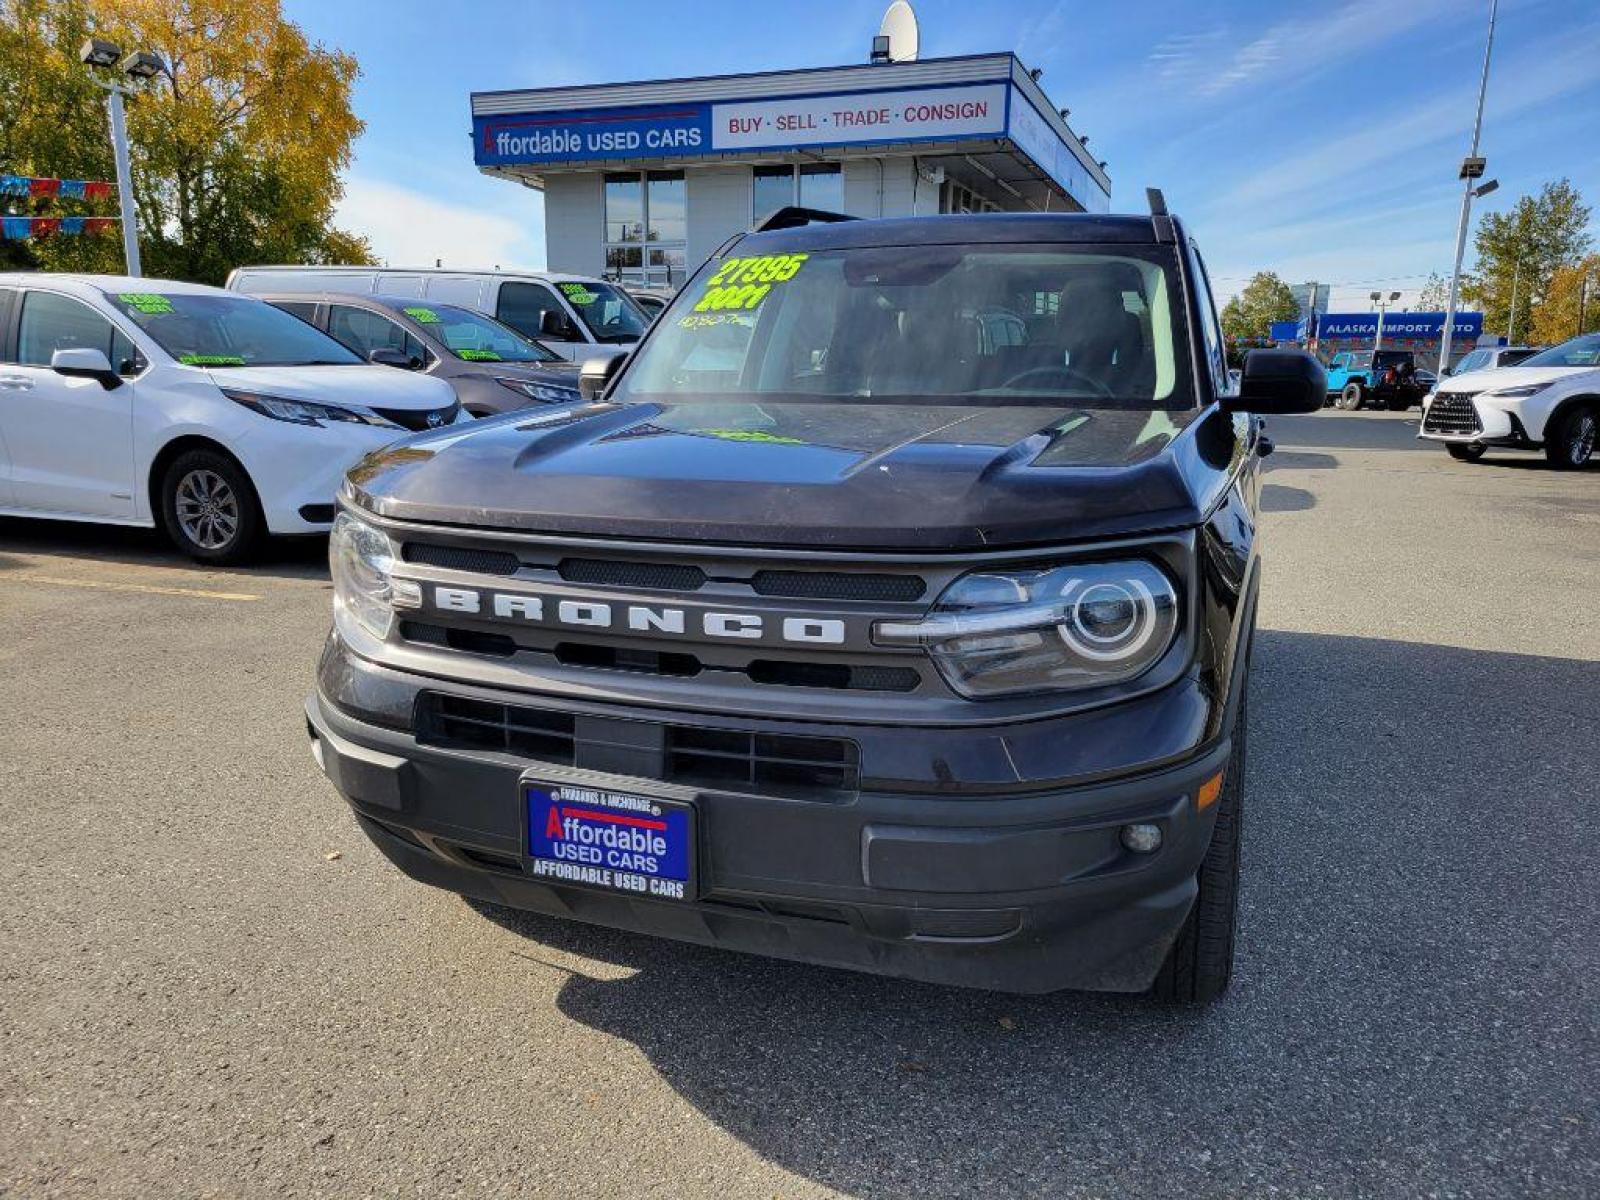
182	445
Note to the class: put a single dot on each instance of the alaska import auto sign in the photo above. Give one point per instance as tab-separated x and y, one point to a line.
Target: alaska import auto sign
666	131
1397	325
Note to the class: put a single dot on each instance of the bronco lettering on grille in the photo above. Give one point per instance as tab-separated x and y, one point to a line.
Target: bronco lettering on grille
638	618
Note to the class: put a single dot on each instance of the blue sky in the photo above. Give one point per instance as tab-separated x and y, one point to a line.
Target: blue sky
1319	140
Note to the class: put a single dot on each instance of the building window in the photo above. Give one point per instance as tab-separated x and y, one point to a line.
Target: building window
812	185
647	227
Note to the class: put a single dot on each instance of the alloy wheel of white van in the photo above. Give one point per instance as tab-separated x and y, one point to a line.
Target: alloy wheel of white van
208	511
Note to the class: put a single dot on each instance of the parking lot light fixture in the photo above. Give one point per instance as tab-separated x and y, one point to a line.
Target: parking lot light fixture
141	65
1472	167
98	53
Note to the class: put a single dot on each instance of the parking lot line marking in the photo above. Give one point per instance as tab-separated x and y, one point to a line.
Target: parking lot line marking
147	588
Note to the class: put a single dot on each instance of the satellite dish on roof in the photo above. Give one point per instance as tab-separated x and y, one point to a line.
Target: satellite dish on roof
900	27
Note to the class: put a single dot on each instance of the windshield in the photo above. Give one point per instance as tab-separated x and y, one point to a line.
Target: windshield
1476	360
606	311
1003	324
474	337
1579	352
202	329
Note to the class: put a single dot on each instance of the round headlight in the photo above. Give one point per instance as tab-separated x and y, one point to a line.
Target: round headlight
360	559
1077	625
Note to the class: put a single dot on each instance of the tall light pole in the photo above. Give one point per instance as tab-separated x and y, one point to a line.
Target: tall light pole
1472	168
1383	307
99	55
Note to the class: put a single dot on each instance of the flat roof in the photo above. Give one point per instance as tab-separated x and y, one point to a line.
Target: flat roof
972	103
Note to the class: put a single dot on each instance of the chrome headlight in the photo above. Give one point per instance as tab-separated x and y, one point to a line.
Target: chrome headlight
1517	393
303	412
361	559
1080	625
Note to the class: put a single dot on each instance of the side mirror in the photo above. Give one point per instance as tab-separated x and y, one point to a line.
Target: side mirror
388	356
84	363
558	327
597	374
1279	381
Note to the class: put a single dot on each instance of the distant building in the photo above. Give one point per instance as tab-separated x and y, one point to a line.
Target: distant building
1312	298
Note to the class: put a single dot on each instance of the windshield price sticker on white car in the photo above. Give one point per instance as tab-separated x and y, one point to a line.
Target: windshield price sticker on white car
422	316
578	294
610	840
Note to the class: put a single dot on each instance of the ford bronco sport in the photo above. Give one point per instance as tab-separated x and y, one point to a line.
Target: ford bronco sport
890	607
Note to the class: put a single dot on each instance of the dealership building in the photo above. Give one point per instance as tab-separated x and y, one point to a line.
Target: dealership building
642	181
1422	332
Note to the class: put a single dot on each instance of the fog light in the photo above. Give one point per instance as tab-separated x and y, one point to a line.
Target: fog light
1142	839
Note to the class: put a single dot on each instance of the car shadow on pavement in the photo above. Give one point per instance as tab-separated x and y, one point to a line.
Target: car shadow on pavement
1408	1013
288	557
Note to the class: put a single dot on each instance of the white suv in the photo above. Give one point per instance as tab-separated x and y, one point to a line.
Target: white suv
215	415
1550	401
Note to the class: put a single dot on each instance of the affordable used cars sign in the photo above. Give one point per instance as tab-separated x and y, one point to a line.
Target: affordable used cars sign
922	114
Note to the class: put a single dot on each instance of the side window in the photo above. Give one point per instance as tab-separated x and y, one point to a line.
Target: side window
125	357
307	312
365	332
51	322
523	305
1211	330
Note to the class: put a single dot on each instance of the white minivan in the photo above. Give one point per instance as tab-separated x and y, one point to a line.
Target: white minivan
577	316
213	415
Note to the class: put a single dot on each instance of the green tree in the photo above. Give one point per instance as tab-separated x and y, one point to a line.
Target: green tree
1522	249
237	147
1265	299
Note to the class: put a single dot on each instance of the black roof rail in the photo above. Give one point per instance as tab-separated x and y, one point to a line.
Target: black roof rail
793	216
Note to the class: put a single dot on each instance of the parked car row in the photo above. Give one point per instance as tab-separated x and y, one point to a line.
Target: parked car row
222	417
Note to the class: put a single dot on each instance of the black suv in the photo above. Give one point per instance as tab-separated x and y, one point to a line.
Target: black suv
889	607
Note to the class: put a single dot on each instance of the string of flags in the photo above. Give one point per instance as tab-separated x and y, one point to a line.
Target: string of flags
72	189
33	187
22	228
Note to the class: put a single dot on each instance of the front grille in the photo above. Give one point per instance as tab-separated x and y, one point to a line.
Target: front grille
418	419
837	585
1452	413
776	762
461	558
664	577
681	665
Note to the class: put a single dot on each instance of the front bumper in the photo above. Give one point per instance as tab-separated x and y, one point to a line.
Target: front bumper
1028	891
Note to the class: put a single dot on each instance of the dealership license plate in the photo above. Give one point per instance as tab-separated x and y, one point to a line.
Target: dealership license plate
613	841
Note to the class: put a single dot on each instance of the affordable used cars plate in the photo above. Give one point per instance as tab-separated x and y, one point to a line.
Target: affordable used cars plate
614	841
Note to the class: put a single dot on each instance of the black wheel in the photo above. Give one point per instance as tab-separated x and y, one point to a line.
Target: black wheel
1571	442
1351	397
1465	452
1200	963
210	508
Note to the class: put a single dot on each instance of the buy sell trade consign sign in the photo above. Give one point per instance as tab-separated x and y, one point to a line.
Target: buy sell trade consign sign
666	131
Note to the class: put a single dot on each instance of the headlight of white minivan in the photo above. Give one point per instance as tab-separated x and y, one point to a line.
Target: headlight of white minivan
361	559
1079	625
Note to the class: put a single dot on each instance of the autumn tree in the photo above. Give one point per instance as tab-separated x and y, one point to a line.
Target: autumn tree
1265	299
237	146
1521	250
1571	303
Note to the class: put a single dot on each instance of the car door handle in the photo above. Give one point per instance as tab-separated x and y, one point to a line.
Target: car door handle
16	383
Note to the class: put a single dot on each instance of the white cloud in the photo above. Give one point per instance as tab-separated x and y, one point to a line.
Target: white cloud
411	229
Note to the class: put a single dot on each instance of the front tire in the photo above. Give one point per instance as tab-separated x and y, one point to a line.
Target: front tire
1572	441
1466	452
209	508
1351	397
1199	966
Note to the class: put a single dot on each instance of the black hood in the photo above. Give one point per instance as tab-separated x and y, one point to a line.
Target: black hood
853	475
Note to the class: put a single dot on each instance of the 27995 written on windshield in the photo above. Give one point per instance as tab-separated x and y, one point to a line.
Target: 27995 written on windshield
743	283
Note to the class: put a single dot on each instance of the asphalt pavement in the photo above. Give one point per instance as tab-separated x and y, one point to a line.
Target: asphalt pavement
210	985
